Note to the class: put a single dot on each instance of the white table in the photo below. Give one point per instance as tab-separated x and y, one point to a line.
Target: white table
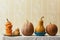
32	38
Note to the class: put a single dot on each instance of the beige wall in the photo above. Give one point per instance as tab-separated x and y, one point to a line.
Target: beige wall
17	11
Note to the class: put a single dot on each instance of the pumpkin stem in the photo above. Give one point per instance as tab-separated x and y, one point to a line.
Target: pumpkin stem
50	22
27	21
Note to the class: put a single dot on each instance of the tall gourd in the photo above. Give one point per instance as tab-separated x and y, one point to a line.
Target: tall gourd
8	28
40	27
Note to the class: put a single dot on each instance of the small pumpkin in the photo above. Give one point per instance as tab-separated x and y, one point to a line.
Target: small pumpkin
27	29
51	29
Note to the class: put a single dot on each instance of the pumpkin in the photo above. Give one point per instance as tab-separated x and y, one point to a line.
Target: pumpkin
27	29
51	29
8	27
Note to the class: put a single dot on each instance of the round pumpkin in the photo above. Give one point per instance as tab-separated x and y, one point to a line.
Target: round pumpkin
27	29
51	29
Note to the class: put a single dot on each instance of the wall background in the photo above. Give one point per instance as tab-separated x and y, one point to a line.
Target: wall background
17	11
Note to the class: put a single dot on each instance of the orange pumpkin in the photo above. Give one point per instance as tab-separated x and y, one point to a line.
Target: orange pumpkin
51	29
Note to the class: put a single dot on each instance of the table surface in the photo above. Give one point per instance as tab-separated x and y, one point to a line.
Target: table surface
31	38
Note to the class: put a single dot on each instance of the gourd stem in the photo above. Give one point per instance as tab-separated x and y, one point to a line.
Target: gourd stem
7	19
42	17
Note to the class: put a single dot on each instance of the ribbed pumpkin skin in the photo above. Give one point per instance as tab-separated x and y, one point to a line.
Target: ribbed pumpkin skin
27	29
51	29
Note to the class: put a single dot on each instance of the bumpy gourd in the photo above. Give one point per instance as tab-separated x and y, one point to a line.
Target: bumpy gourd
8	28
16	32
40	26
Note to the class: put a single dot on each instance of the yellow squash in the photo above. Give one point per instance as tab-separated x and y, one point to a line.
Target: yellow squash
40	26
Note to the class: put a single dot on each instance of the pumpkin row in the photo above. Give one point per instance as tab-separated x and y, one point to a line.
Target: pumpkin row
28	29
